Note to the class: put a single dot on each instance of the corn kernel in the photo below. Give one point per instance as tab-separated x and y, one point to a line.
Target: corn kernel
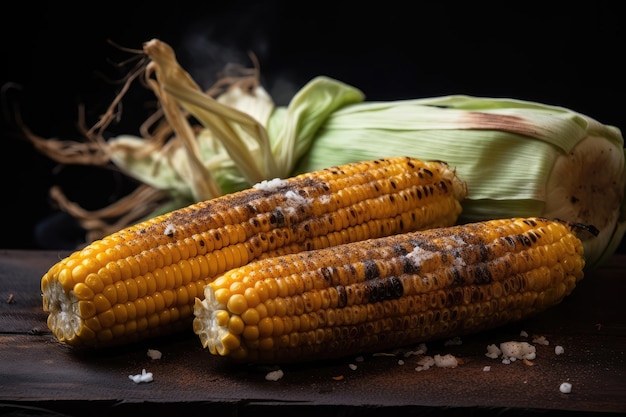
251	316
83	292
130	328
86	309
229	258
278	326
235	325
237	303
165	253
65	278
169	298
86	333
222	318
222	295
252	297
120	312
106	318
181	295
142	325
95	282
251	333
176	312
93	324
170	276
159	302
185	272
230	342
150	305
165	317
131	289
101	303
140	307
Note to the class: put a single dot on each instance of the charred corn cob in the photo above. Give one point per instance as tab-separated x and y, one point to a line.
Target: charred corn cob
389	292
142	281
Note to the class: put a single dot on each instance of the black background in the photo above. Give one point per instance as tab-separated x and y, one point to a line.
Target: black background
59	55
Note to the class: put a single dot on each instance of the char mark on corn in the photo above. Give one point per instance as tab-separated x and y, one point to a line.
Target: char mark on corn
389	292
142	281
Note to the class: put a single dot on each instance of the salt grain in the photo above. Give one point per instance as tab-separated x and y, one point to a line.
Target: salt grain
169	230
425	363
274	375
143	377
493	352
154	354
270	185
446	361
565	388
518	350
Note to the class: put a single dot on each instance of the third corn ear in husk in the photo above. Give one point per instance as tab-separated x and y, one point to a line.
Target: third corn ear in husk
519	158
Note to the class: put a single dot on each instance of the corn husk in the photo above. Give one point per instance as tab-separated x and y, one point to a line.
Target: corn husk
519	158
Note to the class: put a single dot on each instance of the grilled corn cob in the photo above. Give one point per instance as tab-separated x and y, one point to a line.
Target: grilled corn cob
389	292
142	281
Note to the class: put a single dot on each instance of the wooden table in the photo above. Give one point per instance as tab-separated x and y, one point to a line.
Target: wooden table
39	376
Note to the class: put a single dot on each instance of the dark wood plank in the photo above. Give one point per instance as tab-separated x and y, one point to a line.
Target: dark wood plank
44	377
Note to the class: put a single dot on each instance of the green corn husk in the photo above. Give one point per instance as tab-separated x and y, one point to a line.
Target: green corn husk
519	158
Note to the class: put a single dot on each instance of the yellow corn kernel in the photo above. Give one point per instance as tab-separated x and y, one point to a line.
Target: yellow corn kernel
395	291
167	260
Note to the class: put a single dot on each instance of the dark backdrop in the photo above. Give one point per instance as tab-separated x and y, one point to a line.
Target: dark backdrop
58	54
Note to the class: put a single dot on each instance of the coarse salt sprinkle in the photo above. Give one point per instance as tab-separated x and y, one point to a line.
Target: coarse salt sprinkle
565	387
154	354
142	377
270	185
274	375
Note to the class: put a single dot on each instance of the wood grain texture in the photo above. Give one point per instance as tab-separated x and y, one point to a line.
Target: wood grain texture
39	376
